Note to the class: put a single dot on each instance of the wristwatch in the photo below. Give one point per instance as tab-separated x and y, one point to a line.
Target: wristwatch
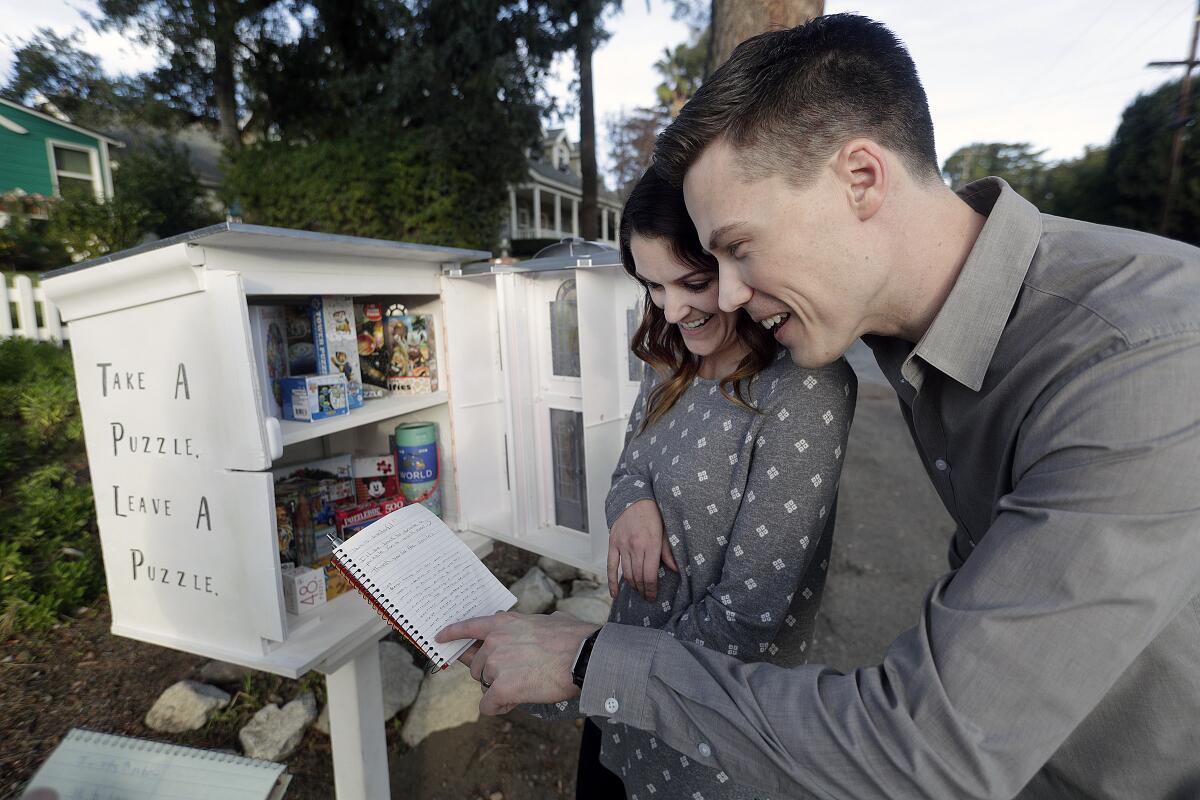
579	668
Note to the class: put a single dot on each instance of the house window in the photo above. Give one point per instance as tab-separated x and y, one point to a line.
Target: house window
75	169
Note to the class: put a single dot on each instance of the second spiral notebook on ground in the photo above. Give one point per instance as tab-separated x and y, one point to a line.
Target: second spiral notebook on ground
421	577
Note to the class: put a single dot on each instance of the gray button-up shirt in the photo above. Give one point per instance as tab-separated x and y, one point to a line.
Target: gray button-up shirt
1055	401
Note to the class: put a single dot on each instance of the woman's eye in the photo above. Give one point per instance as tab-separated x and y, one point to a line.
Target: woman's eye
698	287
735	249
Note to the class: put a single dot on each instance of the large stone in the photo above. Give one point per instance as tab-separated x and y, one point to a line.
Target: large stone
401	682
557	570
274	733
448	698
322	723
224	673
535	592
589	606
585	588
401	678
185	706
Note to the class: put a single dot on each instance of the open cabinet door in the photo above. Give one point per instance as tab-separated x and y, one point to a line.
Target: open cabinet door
479	403
166	391
605	296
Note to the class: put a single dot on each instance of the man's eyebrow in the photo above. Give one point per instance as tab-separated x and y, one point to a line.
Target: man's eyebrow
715	238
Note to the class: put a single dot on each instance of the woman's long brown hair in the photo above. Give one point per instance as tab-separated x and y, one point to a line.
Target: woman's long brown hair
655	210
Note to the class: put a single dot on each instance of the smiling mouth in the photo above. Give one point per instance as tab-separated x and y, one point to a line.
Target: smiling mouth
770	323
695	324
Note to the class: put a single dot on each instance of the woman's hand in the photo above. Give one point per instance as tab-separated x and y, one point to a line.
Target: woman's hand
636	544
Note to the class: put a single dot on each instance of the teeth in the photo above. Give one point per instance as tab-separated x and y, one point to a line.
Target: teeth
691	326
771	322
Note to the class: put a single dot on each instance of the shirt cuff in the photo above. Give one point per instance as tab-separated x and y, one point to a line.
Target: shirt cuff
618	673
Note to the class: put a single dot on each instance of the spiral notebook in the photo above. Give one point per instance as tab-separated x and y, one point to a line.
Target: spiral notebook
99	766
421	577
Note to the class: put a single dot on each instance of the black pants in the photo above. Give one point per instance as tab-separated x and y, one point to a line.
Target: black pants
594	781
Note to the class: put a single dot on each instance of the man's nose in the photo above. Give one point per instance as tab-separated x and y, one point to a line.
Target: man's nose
732	294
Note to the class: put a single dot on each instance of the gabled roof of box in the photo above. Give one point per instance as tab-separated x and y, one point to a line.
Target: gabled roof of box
237	235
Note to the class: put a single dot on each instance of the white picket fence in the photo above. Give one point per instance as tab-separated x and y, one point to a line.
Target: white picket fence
26	298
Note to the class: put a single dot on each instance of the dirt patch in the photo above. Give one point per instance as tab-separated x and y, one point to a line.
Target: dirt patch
80	675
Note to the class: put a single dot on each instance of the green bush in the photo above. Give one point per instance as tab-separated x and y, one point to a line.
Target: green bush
49	551
386	187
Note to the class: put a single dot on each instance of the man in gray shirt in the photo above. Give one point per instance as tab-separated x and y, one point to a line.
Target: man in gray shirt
1049	371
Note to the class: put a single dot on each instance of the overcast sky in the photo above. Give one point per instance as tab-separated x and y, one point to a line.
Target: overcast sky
1056	73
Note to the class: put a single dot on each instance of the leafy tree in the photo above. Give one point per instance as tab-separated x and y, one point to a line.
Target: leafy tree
53	67
454	83
158	176
368	185
90	228
1139	162
202	42
1018	164
631	144
1080	188
682	71
25	244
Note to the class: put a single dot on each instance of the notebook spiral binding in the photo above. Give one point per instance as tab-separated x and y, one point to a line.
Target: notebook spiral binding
147	746
386	610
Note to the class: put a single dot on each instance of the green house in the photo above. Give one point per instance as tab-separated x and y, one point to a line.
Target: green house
43	155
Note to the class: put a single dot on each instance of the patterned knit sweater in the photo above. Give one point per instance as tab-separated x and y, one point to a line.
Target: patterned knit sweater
747	501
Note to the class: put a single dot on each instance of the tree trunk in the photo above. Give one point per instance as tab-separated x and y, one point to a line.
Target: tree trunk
735	21
225	43
589	214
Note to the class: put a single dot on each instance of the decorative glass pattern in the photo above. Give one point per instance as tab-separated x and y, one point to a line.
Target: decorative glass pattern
570	481
564	331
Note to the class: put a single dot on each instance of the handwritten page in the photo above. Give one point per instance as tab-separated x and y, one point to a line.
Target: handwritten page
422	569
98	766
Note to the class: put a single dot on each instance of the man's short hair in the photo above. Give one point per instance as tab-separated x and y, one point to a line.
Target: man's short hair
787	100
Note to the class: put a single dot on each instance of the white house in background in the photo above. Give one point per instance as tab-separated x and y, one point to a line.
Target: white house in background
546	205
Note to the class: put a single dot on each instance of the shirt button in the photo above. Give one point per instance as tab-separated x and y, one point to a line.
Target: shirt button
941	465
705	750
611	705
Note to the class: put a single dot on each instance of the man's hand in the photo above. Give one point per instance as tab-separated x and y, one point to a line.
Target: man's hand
636	544
525	658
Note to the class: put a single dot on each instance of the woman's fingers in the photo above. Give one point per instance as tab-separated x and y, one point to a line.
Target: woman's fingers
631	576
614	561
649	568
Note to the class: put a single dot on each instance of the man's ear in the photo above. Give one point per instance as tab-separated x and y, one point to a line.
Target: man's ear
863	167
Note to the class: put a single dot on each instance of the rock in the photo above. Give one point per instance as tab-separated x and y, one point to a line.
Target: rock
535	592
322	723
448	698
401	678
224	673
586	588
185	706
557	570
588	607
274	733
401	682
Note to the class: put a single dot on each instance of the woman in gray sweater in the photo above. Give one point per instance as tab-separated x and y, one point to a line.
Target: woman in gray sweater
728	477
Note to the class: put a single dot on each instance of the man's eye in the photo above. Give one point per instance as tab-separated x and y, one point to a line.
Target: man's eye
735	249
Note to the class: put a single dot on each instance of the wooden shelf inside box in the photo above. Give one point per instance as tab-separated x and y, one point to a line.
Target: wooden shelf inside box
372	411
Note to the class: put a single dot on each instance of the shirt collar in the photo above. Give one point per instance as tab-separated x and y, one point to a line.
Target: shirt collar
964	334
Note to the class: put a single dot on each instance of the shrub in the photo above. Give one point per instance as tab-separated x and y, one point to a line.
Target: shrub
49	551
386	187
